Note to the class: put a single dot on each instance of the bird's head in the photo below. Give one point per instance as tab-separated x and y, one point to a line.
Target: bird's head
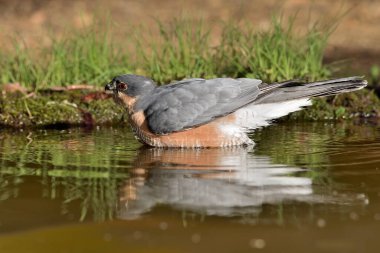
128	88
130	85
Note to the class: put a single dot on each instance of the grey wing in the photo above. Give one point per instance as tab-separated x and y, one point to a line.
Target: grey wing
195	102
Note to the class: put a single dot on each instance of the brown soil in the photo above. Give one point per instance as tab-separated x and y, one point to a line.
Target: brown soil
356	38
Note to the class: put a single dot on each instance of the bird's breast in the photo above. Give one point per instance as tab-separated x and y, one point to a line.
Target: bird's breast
213	134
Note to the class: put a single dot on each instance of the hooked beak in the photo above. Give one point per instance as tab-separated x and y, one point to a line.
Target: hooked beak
110	87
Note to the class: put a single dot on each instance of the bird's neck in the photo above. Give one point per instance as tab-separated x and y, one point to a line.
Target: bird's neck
126	101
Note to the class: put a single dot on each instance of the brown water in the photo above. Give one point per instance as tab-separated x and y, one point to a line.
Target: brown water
302	188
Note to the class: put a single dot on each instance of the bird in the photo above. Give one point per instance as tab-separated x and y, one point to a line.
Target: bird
211	113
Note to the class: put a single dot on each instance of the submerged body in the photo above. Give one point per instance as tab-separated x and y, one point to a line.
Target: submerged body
216	112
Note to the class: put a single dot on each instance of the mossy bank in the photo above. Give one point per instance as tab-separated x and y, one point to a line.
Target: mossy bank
94	108
59	109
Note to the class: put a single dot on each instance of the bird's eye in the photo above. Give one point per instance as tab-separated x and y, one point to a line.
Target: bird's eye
121	85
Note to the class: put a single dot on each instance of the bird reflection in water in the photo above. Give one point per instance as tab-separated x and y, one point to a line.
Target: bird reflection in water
224	182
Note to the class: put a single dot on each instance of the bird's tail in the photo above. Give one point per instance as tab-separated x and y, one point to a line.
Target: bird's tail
279	99
295	89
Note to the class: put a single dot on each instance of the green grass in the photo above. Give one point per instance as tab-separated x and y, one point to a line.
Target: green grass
276	54
86	56
181	49
184	50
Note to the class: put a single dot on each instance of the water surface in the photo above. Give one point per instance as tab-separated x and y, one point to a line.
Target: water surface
305	187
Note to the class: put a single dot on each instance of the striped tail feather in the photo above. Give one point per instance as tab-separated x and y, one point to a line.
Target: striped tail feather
296	89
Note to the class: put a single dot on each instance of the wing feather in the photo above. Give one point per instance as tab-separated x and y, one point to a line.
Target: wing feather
193	102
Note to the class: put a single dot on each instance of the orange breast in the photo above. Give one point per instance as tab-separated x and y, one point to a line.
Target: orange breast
208	135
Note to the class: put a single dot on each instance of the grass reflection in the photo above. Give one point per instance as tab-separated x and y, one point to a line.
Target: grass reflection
73	166
97	174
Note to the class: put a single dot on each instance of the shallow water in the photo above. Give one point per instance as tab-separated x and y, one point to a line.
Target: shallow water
310	187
